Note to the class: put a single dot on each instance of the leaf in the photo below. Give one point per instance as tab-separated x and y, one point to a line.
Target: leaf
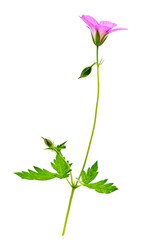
61	146
100	186
40	174
91	173
61	166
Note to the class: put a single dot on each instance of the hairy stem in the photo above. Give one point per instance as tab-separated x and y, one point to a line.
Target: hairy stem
74	186
95	117
67	214
68	182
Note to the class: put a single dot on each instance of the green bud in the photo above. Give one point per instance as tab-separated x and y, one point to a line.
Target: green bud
86	71
48	142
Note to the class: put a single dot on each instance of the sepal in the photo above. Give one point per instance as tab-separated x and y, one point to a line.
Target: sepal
97	40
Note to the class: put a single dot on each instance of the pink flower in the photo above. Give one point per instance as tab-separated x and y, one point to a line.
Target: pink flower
100	31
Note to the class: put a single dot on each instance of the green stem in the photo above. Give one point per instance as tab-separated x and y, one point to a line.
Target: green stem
67	214
74	186
95	117
69	182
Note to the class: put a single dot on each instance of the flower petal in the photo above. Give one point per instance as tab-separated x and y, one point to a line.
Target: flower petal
104	27
102	30
108	24
91	22
116	29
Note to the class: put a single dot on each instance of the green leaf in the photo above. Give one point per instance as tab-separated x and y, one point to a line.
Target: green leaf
61	146
40	174
100	186
61	166
91	173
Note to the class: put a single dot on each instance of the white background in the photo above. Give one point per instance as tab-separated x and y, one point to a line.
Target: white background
44	45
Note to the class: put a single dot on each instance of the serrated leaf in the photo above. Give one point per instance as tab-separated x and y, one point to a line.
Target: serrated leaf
61	166
40	174
61	146
97	184
91	173
70	164
100	186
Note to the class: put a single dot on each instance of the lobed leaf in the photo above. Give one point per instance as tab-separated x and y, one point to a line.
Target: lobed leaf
40	174
91	173
61	166
61	146
100	186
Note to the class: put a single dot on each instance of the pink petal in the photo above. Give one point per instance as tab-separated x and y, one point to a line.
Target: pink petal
102	30
108	24
104	27
91	22
116	29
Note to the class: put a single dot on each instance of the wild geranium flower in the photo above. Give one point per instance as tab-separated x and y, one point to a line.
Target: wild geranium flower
62	168
100	31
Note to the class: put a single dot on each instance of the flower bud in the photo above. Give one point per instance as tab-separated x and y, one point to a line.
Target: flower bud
48	142
86	71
